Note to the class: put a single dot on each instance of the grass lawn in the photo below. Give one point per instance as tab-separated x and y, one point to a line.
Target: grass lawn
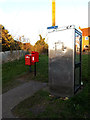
85	67
16	72
42	105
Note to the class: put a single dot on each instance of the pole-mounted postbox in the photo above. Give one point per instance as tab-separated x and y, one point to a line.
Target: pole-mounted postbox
34	56
28	59
31	59
64	60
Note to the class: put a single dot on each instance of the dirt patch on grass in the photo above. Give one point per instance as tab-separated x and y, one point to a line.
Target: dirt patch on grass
25	78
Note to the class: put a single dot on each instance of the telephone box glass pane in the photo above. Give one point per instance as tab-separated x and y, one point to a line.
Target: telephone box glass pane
77	48
77	77
77	60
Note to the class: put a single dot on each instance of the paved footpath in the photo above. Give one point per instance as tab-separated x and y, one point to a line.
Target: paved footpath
15	96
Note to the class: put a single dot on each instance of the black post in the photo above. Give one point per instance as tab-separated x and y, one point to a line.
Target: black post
35	69
30	68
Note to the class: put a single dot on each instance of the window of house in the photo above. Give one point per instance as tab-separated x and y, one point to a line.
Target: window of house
85	46
86	38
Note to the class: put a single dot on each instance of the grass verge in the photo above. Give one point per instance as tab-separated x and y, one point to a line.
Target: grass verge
41	105
16	72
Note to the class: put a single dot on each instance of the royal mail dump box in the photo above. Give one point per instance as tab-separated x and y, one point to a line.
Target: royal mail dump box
64	60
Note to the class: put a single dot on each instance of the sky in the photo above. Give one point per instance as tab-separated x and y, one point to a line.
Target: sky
32	17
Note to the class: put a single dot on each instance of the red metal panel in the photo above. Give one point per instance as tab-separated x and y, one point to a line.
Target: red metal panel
28	59
34	56
37	57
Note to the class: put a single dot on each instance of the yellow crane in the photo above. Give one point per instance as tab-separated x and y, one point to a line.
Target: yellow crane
53	12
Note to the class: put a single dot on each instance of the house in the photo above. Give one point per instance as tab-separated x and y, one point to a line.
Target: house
85	38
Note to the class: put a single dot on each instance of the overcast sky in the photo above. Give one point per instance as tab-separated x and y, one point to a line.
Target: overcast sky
32	17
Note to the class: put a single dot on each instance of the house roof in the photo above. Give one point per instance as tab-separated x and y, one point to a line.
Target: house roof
85	31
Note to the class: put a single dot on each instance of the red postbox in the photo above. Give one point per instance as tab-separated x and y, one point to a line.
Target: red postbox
31	59
34	56
28	59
